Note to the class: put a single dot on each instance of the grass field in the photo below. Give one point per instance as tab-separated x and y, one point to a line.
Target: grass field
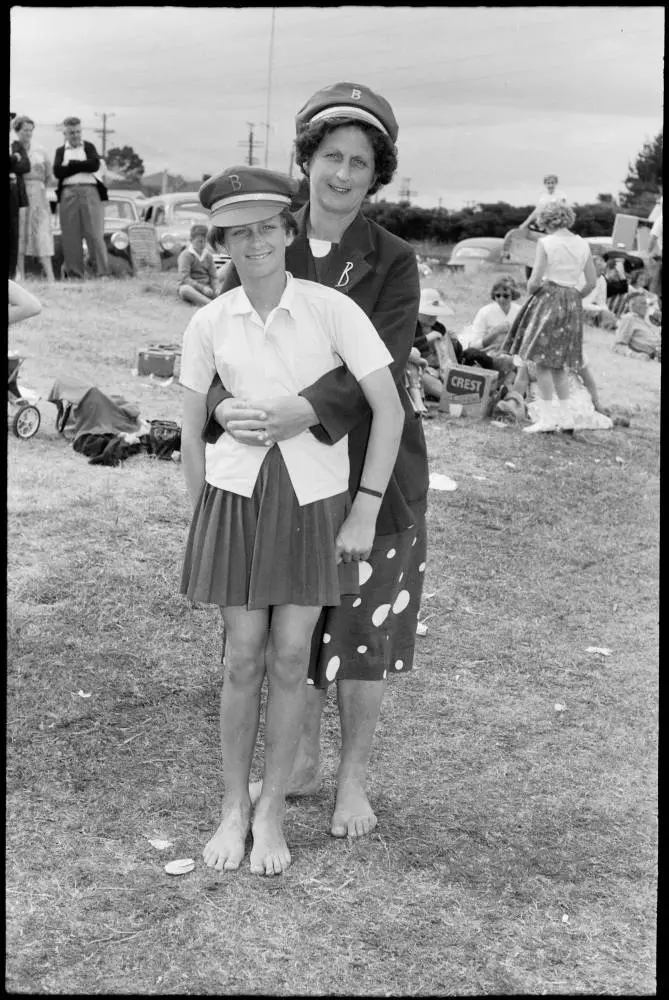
513	773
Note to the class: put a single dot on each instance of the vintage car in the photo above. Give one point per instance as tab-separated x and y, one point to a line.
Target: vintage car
173	214
131	244
475	250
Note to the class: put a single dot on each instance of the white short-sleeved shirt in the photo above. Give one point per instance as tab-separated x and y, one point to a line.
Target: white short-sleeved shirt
656	231
486	319
566	254
312	331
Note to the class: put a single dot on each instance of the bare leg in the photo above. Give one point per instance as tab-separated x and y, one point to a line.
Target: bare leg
287	659
246	638
561	383
191	295
48	267
359	708
545	383
305	778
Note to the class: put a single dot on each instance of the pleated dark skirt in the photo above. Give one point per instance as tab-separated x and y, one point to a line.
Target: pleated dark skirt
266	550
549	328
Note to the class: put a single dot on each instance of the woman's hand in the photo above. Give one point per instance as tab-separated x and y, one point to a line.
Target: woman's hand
284	417
245	422
355	538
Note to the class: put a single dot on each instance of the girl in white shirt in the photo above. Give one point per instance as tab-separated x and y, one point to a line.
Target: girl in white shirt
274	536
549	327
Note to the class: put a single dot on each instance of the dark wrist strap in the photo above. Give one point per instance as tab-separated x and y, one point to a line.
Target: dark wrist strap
372	493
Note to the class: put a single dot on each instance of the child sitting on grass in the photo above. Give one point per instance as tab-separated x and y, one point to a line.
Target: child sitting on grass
197	270
274	536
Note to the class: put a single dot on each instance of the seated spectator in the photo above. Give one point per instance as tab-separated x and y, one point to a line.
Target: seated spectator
636	335
584	400
595	309
432	345
196	268
492	322
655	255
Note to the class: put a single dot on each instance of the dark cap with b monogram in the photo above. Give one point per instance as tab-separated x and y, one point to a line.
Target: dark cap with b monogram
242	195
349	100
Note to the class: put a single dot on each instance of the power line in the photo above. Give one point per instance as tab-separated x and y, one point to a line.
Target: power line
269	84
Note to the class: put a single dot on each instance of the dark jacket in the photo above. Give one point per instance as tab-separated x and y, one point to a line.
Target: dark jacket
379	272
19	164
89	165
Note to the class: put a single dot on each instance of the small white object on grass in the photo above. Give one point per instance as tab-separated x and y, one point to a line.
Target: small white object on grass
565	918
84	694
510	465
619	460
180	867
441	482
161	845
560	708
421	628
598	649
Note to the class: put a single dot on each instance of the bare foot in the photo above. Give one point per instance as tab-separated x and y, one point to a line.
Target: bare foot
298	786
225	850
269	854
353	816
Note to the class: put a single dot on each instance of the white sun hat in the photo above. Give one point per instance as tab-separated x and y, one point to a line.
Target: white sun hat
433	304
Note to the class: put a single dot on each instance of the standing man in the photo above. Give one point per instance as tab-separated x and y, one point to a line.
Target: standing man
80	194
19	164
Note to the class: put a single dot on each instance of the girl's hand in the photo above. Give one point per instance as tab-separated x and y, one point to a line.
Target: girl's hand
355	539
245	422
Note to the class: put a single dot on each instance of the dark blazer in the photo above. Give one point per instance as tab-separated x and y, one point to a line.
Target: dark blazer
19	164
379	272
89	165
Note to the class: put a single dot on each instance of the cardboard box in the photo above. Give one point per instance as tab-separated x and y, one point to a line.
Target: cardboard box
470	388
156	361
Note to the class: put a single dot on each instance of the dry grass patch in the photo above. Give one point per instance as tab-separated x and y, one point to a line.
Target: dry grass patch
499	815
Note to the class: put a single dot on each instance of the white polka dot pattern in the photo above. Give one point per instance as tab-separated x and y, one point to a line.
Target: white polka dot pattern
399	664
401	601
364	571
357	602
332	668
362	649
421	568
390	553
326	638
380	614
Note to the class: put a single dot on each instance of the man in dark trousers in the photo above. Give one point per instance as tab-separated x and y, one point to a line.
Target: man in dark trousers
19	164
81	195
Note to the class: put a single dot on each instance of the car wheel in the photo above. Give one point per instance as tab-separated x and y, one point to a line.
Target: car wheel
26	422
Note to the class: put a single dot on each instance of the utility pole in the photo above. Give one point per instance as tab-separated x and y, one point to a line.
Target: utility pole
269	85
104	131
405	192
252	144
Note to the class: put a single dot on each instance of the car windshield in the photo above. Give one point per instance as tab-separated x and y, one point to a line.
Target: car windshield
120	210
190	210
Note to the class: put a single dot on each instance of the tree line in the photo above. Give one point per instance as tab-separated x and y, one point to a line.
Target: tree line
643	184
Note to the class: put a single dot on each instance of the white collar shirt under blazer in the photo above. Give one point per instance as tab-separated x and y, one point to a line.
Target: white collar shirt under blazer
566	254
312	331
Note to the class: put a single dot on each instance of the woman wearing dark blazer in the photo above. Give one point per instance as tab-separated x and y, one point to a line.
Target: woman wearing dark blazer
345	145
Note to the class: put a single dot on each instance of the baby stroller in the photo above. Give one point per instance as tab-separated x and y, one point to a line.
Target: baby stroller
22	413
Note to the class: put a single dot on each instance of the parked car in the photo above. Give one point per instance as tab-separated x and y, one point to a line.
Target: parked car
131	243
476	250
173	215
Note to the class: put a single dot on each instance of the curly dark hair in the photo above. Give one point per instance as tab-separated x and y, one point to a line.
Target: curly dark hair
216	237
310	137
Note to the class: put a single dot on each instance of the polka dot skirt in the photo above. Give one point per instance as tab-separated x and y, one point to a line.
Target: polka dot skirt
373	635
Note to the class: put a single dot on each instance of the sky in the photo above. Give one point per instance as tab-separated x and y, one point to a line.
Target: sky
488	99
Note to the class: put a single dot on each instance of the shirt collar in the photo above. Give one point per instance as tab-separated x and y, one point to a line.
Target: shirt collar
68	145
200	256
240	305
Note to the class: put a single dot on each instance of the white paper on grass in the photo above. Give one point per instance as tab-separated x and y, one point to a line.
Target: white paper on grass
180	867
598	649
161	845
441	482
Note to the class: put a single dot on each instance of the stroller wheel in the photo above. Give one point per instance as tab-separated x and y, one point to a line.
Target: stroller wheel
26	422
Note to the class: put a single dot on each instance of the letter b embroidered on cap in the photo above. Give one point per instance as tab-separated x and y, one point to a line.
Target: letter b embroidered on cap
356	94
235	182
